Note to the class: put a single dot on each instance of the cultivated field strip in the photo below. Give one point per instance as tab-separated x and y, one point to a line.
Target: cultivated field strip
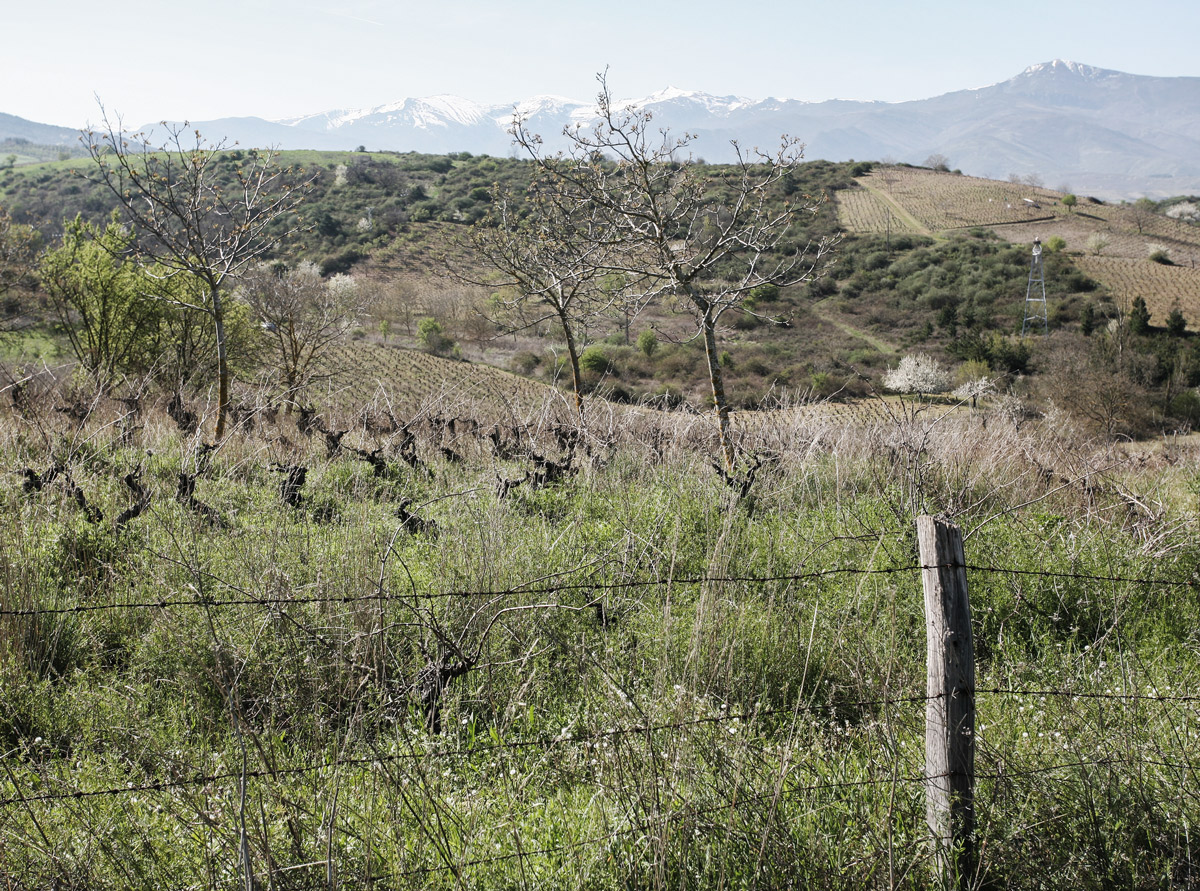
1162	287
1140	226
864	211
948	201
1125	232
867	412
410	380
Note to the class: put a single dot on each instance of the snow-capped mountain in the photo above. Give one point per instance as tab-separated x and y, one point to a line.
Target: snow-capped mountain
1103	132
431	111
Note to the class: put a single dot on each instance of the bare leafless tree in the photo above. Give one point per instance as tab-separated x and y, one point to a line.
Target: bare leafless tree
198	209
1141	214
303	316
546	263
669	234
937	161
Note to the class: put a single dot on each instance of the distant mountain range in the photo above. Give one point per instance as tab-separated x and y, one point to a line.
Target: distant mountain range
13	127
1098	132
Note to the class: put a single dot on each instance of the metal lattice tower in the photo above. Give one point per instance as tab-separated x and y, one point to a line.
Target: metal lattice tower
1035	306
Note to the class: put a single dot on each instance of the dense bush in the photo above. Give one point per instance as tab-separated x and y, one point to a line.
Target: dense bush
431	335
595	359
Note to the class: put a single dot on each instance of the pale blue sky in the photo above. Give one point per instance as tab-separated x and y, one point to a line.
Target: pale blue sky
154	59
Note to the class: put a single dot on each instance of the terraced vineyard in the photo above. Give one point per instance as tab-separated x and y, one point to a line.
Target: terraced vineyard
1162	287
410	384
1119	227
1141	228
408	381
862	210
947	201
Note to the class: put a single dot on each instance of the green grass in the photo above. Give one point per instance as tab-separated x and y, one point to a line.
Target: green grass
31	345
674	689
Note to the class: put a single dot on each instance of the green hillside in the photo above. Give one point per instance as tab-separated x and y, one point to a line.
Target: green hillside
927	262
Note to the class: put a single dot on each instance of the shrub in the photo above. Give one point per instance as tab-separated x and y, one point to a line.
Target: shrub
821	287
971	370
1176	322
1055	243
525	362
1087	319
765	293
433	338
1009	354
341	263
825	384
594	359
1186	407
647	342
1139	317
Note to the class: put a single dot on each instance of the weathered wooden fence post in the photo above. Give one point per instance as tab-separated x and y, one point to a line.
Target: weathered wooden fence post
950	708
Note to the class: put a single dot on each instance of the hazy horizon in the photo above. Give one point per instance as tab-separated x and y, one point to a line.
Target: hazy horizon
266	59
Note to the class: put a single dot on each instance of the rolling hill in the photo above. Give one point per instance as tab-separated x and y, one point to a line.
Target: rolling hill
1110	243
930	262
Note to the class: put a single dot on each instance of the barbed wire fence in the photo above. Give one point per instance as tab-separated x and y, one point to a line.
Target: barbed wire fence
34	788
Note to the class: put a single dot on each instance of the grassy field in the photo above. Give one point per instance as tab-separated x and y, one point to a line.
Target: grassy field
527	655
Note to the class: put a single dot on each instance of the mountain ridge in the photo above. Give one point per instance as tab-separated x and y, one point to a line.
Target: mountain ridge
1096	130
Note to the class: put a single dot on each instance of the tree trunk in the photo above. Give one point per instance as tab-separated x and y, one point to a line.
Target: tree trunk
717	380
222	363
576	374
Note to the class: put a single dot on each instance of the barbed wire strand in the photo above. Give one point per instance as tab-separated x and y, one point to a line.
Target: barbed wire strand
549	742
208	603
376	596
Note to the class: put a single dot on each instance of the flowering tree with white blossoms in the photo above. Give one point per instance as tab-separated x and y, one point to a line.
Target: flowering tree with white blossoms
918	373
972	390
